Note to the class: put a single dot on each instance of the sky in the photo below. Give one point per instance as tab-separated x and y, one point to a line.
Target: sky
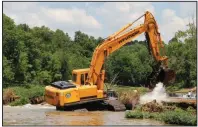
101	19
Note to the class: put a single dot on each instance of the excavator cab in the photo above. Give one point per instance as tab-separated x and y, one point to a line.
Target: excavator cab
79	76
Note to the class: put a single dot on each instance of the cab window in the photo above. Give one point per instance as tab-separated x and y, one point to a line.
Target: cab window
86	74
82	79
74	77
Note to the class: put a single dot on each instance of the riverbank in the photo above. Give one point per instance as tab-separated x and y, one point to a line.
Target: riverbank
24	93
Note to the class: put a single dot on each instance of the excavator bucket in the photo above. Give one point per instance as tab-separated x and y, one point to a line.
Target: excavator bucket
166	76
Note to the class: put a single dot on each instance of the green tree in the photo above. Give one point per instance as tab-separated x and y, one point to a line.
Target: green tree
182	54
131	63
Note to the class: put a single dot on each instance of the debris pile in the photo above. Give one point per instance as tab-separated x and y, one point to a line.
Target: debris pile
130	99
152	107
155	107
36	99
9	96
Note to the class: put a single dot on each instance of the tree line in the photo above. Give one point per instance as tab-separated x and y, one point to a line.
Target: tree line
40	55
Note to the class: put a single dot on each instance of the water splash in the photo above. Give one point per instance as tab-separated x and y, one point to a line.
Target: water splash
37	106
159	94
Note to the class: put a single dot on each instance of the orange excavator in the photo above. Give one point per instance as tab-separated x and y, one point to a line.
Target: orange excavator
87	85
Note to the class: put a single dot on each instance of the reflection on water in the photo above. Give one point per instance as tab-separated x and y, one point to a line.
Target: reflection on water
76	118
47	115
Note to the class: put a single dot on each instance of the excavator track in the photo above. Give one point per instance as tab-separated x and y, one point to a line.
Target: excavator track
102	104
115	105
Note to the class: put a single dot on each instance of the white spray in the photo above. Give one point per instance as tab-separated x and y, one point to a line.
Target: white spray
158	94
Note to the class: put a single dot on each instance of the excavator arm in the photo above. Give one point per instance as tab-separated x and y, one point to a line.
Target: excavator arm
119	39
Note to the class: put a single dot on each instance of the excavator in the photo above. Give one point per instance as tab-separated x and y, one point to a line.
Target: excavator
87	85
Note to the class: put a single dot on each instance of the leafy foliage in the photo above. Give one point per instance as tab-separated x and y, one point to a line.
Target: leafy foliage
177	116
183	57
39	55
131	63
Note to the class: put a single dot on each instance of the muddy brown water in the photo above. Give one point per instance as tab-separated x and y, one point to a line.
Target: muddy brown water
48	115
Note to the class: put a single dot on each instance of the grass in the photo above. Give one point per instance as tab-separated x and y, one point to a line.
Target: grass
177	116
183	91
176	89
25	93
120	89
5	123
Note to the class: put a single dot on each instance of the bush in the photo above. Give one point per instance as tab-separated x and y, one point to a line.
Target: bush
191	110
36	91
44	77
134	114
180	117
138	114
177	116
21	101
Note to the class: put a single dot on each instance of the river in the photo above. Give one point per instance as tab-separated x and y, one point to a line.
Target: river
48	115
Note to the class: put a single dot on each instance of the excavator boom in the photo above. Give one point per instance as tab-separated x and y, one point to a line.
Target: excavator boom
119	39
